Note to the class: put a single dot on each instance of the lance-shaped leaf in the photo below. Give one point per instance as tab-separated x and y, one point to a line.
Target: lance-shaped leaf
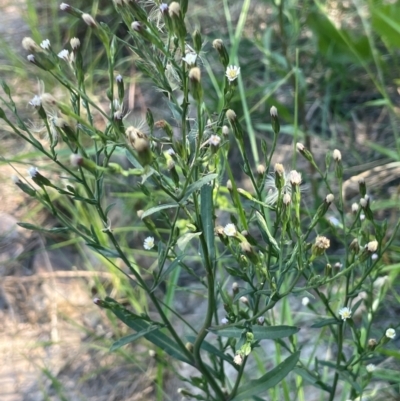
259	332
267	381
197	185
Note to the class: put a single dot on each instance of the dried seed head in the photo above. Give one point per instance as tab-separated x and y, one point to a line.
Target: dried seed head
372	246
174	9
30	45
89	20
286	199
75	43
329	198
337	155
279	169
195	74
231	115
273	111
322	242
261	169
218	44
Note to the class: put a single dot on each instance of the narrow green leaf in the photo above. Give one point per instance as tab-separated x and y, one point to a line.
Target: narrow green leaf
166	272
197	185
264	226
185	239
133	337
207	220
156	209
324	322
108	253
158	338
269	380
29	226
312	379
206	346
259	332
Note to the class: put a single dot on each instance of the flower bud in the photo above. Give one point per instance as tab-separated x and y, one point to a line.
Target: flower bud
275	120
30	45
89	20
219	46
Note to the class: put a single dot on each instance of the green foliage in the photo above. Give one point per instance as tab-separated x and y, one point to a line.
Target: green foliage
266	240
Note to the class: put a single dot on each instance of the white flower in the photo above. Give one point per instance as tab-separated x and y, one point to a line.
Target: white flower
64	54
362	216
372	246
148	243
64	6
345	313
33	171
274	113
75	43
238	359
305	301
224	320
190	59
374	256
230	230
370	367
31	58
119	110
390	333
119	78
214	140
36	102
232	72
294	177
45	44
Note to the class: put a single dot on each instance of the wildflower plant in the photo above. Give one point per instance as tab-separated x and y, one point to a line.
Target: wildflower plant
262	239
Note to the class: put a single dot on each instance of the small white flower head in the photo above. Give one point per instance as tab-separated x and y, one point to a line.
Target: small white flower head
337	155
244	300
119	78
345	313
372	246
274	112
164	8
238	359
390	333
174	9
329	198
15	179
75	43
230	230
225	130
89	20
300	147
354	208
305	301
260	320
45	44
261	169
148	243
370	367
364	201
214	140
30	45
76	160
33	172
374	256
232	72
362	216
64	6
190	59
295	177
224	321
36	102
64	54
31	58
286	199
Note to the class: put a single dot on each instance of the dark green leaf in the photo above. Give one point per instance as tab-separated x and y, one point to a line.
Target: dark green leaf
259	332
29	226
269	380
157	337
197	185
312	379
207	220
108	253
156	209
324	322
133	337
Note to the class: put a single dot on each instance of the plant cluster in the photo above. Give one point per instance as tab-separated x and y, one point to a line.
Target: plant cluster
258	248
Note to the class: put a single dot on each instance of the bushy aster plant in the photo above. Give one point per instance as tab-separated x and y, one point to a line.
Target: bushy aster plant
259	249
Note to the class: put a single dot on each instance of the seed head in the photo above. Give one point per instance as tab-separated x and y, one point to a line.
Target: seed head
30	45
273	111
337	155
195	74
174	9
